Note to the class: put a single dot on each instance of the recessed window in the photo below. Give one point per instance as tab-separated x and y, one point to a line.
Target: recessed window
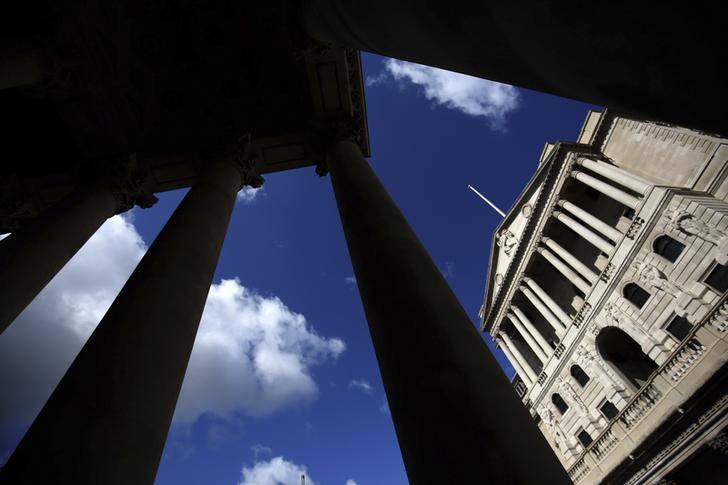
578	373
609	410
560	404
636	294
629	213
668	248
679	328
584	438
718	278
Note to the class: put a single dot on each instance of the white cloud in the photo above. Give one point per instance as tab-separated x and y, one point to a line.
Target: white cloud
470	95
248	194
277	471
252	355
38	347
363	385
384	408
351	482
259	449
350	280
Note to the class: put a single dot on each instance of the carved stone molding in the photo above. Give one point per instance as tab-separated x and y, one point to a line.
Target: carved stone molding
608	272
635	227
582	314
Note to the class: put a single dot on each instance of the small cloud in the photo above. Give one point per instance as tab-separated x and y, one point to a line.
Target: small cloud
259	449
351	482
248	194
350	280
469	95
363	385
384	408
274	472
449	270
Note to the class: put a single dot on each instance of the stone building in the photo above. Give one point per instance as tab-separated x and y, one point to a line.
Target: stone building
607	293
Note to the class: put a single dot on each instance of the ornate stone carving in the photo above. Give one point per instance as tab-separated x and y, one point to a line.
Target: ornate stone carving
635	227
687	223
565	386
652	278
507	241
244	156
607	273
130	184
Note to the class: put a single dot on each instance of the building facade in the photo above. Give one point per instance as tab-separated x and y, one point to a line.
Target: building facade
606	291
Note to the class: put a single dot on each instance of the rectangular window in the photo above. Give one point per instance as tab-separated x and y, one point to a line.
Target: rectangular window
609	410
718	278
679	328
584	438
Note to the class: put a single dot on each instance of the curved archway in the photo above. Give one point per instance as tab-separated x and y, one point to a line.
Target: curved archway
578	373
635	294
625	356
559	402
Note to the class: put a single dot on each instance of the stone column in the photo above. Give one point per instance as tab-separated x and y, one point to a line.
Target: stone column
454	410
593	222
516	364
571	260
616	175
565	270
543	310
593	238
541	344
528	338
518	356
31	256
107	420
550	302
609	190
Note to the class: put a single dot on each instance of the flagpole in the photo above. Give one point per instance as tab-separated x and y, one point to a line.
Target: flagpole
502	214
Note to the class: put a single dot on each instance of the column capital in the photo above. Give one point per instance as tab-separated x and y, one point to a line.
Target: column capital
131	184
246	159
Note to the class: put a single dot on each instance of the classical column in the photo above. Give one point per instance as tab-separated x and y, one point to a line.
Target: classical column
454	410
107	420
519	358
565	270
31	256
616	174
593	238
593	222
522	323
550	302
540	355
516	365
607	189
557	325
530	44
571	260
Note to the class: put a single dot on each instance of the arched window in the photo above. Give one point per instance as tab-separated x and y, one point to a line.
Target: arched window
625	356
559	403
668	248
578	373
635	294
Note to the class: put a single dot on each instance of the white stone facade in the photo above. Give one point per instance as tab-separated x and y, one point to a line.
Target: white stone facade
607	292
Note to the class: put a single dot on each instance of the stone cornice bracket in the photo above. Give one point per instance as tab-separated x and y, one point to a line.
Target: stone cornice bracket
131	184
246	159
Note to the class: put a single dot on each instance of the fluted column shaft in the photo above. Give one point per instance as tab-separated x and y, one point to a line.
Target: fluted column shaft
530	328
518	356
565	270
616	175
593	222
550	302
31	256
557	325
609	190
443	385
516	365
107	421
593	238
571	260
540	354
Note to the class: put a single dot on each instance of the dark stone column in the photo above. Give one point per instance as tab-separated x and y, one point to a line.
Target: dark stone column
20	64
107	421
31	256
458	419
657	63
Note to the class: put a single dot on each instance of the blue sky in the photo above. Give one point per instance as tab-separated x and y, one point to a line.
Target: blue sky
283	376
